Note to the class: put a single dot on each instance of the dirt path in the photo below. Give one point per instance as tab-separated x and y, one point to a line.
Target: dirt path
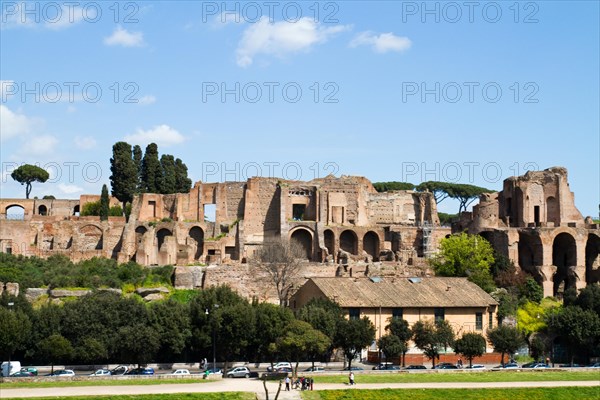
252	385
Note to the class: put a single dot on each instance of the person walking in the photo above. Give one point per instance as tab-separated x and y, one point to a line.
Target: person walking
351	378
287	383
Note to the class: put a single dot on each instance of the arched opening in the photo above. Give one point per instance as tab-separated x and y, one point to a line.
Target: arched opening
329	239
349	242
371	244
91	238
564	255
197	235
43	210
552	211
592	261
15	211
160	237
140	231
303	239
76	210
531	252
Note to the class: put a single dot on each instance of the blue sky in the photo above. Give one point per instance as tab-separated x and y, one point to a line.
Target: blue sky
390	90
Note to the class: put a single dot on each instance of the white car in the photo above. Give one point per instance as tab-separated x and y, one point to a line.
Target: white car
181	372
63	373
476	366
101	372
239	372
279	365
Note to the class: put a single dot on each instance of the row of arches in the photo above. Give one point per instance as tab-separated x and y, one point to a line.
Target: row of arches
348	242
17	211
195	238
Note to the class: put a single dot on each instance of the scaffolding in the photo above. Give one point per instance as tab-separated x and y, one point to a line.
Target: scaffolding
427	229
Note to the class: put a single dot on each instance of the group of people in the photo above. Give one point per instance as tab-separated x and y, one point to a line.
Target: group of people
301	383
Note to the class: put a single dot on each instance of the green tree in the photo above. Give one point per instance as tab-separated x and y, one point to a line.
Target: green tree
401	329
432	337
353	335
168	181
322	314
138	343
531	290
183	184
151	170
391	346
91	208
55	349
440	190
123	179
302	341
137	160
171	320
270	323
91	351
27	174
470	345
389	186
579	328
15	328
104	204
589	298
467	256
505	339
466	194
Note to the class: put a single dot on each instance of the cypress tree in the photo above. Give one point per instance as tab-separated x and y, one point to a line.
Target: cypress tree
151	169
137	159
167	184
123	178
182	182
104	204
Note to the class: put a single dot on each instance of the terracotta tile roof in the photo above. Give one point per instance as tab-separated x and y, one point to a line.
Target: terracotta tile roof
404	292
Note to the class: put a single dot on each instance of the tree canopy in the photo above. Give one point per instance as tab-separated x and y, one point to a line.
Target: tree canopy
27	174
470	345
389	186
123	179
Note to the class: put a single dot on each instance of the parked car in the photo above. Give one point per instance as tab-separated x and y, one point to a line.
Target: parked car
211	371
510	365
416	367
279	365
101	372
475	366
388	367
33	370
284	370
354	369
382	365
595	365
314	369
182	371
444	365
239	372
535	364
571	366
120	370
21	374
62	373
141	371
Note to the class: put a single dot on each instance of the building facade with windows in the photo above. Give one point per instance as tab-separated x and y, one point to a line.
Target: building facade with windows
463	304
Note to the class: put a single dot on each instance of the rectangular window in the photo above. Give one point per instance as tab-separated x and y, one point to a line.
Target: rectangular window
479	321
298	211
354	313
491	320
397	313
440	315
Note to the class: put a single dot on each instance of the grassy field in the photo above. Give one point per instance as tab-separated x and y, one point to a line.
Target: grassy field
188	396
26	383
567	393
489	376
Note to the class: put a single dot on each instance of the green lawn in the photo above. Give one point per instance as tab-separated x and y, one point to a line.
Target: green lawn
489	376
189	396
567	393
26	383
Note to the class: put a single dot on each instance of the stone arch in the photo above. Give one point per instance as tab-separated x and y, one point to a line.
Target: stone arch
349	242
15	211
197	235
592	260
42	210
564	256
161	234
304	239
76	210
531	252
90	238
371	244
329	240
140	231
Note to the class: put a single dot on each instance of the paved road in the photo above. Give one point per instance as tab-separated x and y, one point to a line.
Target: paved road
256	386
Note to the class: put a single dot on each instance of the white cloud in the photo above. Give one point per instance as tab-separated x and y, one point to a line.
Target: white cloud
382	43
281	38
146	100
122	37
161	135
69	189
85	143
39	145
13	124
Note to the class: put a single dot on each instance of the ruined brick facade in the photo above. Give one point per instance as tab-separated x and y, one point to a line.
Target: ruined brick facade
535	223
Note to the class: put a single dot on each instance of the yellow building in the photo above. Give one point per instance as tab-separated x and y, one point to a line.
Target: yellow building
463	304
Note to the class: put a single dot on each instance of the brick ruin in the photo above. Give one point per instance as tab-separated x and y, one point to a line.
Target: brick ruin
344	225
